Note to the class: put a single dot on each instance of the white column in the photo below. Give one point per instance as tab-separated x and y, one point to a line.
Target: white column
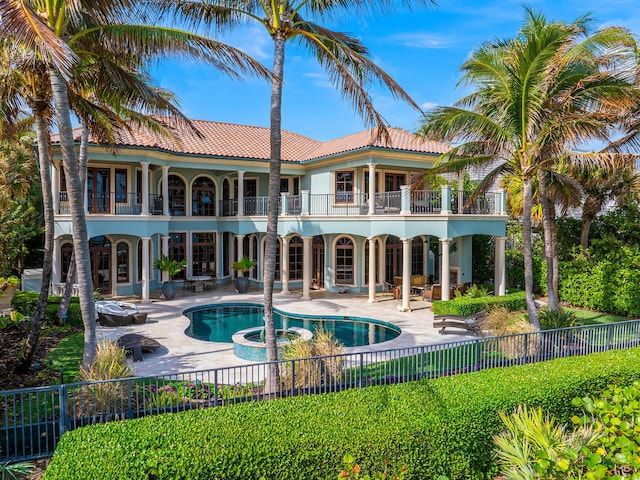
145	269
145	188
260	259
165	190
240	193
240	247
444	275
372	188
406	274
57	267
165	252
460	192
500	270
284	266
306	268
219	256
55	188
372	270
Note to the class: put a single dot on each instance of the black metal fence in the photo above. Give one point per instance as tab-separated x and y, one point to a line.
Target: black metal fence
32	420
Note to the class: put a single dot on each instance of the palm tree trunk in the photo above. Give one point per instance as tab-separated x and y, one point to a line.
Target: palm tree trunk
590	209
25	360
548	240
78	219
554	251
528	253
272	210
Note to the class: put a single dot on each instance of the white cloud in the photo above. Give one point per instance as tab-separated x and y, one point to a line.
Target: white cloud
428	105
421	40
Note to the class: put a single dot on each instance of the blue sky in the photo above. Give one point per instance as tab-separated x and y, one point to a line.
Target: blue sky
422	50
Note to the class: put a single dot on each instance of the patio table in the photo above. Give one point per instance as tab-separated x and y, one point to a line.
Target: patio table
199	281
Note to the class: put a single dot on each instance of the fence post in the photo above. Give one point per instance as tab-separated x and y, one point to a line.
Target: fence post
478	343
421	374
361	369
526	348
293	377
609	342
64	408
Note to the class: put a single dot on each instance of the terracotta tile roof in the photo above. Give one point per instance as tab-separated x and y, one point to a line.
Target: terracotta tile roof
243	141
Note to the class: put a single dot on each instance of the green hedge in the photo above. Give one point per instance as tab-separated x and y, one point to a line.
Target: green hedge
434	427
25	303
468	306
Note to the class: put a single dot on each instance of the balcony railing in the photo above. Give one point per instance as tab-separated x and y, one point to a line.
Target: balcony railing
419	202
116	203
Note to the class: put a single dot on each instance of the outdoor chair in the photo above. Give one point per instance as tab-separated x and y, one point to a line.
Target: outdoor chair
472	323
433	293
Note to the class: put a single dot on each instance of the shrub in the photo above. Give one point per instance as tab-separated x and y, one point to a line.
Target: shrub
435	427
324	368
468	306
25	303
561	318
108	398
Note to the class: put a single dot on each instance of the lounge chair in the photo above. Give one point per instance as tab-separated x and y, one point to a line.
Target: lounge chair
472	323
115	314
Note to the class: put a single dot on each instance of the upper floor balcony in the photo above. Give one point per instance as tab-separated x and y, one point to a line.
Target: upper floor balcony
403	202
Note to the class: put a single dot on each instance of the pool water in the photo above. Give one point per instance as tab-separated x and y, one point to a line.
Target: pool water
218	323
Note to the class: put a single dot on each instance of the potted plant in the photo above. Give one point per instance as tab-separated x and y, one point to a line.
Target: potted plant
242	266
172	267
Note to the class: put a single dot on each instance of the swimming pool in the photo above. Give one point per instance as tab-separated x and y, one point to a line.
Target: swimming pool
218	323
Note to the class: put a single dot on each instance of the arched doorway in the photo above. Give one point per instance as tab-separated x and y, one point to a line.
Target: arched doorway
100	252
393	258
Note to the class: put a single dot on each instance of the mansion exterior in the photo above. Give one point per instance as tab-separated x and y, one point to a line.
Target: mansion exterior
348	218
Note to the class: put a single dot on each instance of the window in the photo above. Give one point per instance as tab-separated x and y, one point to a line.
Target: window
284	185
344	187
122	255
295	258
203	195
121	185
177	195
417	259
393	181
344	261
277	275
204	253
296	185
178	250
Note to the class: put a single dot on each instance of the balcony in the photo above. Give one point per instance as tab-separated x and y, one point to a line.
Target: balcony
419	202
112	203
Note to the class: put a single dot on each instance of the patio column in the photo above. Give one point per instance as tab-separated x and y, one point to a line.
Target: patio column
444	275
284	266
406	275
445	207
165	190
219	256
55	273
55	187
145	269
145	188
405	200
500	270
372	270
372	188
165	252
306	268
240	193
460	192
252	272
240	247
382	260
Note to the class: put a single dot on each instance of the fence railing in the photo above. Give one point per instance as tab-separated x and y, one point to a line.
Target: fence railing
32	420
118	203
482	204
426	201
338	204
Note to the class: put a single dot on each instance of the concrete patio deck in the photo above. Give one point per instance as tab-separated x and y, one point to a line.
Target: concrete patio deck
180	353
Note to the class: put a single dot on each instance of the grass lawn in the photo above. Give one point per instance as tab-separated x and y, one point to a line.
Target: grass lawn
67	356
588	317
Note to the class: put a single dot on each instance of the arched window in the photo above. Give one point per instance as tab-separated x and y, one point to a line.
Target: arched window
177	196
295	258
264	250
203	195
122	255
344	261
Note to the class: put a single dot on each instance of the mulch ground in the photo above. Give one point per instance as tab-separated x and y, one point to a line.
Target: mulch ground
12	341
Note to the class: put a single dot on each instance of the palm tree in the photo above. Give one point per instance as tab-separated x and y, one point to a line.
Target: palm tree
344	58
539	96
102	36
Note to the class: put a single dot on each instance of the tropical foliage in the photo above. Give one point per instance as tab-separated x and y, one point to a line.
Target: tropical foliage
537	98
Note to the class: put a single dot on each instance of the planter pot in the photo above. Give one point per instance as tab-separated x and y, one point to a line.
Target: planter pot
242	284
169	290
